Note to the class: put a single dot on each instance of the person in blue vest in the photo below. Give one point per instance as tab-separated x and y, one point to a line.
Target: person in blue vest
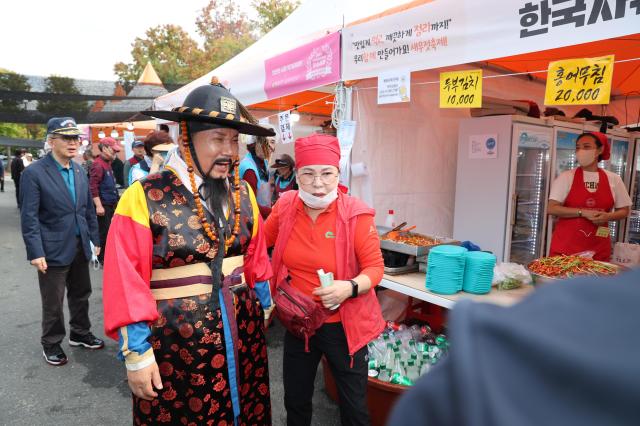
254	169
284	176
102	183
58	225
157	145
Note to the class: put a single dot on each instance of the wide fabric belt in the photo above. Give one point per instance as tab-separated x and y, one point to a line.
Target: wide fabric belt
193	280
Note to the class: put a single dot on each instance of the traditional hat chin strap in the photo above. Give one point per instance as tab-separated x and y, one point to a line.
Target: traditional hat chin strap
194	156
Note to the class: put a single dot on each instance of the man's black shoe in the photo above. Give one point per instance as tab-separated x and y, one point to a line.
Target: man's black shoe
88	341
54	355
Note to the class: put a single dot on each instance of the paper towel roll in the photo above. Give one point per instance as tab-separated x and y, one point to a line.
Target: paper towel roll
359	170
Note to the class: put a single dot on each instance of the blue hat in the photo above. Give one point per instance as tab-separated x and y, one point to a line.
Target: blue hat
63	126
137	144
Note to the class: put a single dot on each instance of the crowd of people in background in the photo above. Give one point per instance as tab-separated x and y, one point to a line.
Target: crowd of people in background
111	174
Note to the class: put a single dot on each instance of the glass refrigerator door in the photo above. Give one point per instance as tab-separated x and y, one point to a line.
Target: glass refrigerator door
618	165
633	226
565	151
565	159
531	183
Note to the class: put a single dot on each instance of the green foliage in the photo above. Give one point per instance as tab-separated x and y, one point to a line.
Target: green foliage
13	82
66	85
13	130
225	31
168	48
272	12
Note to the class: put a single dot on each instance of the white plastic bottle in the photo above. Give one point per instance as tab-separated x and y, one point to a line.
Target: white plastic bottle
391	220
412	371
385	374
426	366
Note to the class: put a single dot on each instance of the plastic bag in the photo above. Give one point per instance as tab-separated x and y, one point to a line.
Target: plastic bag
507	276
586	254
94	262
626	254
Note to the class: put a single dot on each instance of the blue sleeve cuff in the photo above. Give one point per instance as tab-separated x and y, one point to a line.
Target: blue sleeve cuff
133	341
264	293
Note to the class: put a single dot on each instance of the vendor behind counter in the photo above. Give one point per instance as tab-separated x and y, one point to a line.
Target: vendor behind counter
585	200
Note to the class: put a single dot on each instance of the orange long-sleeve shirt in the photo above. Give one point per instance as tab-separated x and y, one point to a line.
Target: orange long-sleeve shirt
311	246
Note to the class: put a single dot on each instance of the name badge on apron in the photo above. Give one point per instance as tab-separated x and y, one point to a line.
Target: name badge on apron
603	232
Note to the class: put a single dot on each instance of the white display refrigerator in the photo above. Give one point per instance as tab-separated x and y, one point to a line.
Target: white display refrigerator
501	193
632	234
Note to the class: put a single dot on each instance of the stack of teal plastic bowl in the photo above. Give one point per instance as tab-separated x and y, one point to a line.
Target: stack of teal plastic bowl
478	272
445	269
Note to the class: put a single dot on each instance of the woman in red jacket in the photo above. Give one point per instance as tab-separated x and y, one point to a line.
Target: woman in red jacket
321	227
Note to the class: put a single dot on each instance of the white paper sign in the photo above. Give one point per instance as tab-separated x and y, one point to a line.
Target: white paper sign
284	123
482	147
394	87
128	138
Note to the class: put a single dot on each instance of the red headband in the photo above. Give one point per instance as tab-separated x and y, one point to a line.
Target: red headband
317	150
602	138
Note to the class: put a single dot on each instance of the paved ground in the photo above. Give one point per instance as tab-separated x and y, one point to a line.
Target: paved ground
91	389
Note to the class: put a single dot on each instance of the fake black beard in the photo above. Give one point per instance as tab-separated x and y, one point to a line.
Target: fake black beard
215	193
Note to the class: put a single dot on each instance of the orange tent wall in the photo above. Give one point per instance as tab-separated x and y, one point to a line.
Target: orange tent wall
318	105
626	75
141	128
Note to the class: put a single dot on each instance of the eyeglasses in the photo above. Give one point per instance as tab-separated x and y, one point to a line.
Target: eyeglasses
68	139
326	178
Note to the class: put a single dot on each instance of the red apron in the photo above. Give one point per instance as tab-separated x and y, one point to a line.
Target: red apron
575	235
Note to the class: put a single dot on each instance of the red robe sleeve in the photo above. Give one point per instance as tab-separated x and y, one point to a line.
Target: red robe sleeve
127	298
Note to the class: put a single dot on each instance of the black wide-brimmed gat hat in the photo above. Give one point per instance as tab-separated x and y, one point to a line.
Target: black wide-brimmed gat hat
212	104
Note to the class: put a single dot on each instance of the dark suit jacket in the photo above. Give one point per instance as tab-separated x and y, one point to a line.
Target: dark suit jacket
49	216
17	166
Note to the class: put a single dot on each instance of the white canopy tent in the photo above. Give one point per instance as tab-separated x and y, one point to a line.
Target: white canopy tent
245	74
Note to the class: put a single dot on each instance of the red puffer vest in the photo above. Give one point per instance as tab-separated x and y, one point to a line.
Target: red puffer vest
361	317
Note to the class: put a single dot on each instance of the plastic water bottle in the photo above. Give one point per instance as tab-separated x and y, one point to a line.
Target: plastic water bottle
411	350
424	359
442	343
388	355
398	374
416	362
390	222
435	353
426	366
379	347
397	371
402	350
412	371
385	374
374	356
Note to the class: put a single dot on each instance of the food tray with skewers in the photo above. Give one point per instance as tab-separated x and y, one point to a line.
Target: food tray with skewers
561	267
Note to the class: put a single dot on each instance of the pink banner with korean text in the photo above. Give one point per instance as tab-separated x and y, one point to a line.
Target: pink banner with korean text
306	67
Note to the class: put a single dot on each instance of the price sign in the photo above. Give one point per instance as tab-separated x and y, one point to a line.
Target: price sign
461	89
584	81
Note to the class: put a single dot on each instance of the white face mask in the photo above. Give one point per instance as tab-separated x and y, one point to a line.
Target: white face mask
586	157
318	202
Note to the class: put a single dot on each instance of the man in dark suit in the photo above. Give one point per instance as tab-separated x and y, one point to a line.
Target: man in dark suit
58	223
1	176
17	167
